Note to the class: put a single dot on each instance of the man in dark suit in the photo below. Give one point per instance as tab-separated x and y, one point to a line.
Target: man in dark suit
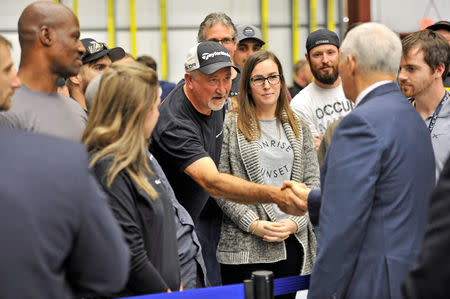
58	237
376	179
430	278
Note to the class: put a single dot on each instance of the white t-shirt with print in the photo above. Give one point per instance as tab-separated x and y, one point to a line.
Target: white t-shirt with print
319	107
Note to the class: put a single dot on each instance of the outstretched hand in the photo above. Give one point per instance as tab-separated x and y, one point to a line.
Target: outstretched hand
291	201
299	189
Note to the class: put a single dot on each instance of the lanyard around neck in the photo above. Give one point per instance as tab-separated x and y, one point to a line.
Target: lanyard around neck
434	116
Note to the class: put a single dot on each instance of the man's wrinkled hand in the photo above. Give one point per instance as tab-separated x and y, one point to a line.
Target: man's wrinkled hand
299	189
290	203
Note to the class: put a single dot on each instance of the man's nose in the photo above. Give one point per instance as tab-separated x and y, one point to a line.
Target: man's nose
401	75
81	48
15	83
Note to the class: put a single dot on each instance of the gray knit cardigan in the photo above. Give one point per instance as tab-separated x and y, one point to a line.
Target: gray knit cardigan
240	158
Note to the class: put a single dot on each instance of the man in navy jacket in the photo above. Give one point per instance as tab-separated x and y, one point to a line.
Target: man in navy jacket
376	179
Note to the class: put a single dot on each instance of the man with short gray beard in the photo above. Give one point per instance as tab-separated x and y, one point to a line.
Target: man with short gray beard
323	100
187	140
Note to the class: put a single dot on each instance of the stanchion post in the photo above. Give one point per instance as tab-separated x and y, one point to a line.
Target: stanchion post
249	289
263	282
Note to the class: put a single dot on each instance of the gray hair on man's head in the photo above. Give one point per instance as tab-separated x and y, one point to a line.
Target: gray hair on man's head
375	47
213	19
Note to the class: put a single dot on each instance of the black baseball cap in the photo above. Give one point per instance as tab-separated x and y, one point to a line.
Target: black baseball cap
321	37
96	50
445	25
208	57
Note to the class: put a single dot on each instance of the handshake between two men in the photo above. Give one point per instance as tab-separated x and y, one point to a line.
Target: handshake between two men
295	199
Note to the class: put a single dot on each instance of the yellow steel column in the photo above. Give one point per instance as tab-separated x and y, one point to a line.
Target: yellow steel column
312	15
295	31
330	15
163	32
75	7
133	28
111	24
265	21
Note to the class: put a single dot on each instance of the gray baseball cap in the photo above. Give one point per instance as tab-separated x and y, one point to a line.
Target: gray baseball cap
249	31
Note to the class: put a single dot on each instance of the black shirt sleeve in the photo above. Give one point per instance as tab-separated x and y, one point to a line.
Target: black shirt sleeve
182	144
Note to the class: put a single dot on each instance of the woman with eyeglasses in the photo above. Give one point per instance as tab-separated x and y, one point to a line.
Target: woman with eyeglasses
122	117
265	142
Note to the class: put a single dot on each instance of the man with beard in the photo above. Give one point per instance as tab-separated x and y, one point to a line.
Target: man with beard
49	40
423	69
322	101
96	59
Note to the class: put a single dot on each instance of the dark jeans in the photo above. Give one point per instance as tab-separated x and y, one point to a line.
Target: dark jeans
291	266
207	228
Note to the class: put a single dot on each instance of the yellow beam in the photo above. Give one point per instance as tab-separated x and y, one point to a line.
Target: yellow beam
133	28
295	31
312	15
75	7
265	21
163	33
330	16
111	24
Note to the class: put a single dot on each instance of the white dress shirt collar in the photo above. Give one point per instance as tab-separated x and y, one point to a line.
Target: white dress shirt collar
369	89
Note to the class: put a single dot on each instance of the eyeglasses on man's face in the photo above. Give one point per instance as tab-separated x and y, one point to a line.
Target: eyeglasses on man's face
223	41
260	80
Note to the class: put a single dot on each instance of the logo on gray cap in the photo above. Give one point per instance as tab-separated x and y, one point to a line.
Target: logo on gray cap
248	31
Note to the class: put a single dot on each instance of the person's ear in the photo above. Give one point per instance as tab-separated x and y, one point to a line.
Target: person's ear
76	80
46	36
440	69
188	78
352	64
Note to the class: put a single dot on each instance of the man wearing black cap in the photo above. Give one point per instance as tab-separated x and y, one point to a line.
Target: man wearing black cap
443	28
48	36
96	59
322	101
187	139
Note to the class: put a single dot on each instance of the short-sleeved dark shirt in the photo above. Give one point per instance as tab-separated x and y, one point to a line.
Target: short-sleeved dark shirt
182	136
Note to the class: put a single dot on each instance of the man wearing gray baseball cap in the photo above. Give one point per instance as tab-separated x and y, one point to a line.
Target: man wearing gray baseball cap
187	139
249	41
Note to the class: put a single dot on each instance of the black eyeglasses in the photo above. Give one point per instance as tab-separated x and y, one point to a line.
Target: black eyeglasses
260	80
223	41
95	47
